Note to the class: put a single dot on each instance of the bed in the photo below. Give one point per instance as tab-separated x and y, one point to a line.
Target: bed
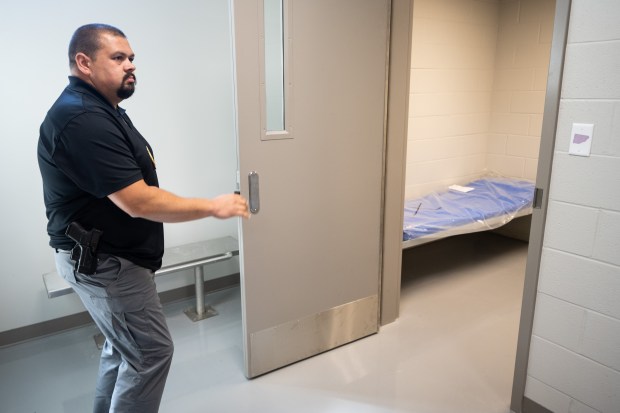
483	204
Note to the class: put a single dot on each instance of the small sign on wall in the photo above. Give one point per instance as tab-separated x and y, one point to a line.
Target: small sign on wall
581	139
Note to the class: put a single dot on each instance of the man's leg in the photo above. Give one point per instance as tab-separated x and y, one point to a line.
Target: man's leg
122	299
106	380
142	337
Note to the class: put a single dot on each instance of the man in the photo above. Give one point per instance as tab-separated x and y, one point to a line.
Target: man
99	172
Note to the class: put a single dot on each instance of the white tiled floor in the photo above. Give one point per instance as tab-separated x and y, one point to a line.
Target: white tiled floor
451	350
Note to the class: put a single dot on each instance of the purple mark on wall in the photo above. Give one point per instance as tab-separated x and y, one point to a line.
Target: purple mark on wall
580	138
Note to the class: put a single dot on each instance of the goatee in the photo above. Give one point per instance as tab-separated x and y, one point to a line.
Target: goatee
126	89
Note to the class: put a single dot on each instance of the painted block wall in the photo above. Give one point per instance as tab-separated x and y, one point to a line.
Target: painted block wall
183	105
520	79
478	75
452	69
574	363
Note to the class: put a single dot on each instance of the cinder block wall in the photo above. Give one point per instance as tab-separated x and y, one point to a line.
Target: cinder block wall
574	363
520	80
478	75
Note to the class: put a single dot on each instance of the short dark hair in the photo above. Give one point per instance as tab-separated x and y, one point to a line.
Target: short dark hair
86	39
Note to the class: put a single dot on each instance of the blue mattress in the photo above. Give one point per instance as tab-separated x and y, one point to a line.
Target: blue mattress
491	203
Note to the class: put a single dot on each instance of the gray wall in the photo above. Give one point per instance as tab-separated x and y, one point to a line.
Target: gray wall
183	106
574	363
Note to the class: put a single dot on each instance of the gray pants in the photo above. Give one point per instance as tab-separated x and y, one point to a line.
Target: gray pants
122	300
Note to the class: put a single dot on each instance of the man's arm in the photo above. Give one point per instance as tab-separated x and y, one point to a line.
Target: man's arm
140	200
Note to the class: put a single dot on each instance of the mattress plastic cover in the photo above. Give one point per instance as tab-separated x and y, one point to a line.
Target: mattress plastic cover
493	202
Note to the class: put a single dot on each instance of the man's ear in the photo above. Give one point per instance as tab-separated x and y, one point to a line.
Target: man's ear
82	63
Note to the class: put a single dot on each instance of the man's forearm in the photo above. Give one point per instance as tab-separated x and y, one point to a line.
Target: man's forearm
142	201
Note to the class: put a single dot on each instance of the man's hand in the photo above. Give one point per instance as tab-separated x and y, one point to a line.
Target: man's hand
230	205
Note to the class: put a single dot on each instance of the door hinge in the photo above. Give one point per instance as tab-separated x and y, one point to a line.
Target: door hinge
538	198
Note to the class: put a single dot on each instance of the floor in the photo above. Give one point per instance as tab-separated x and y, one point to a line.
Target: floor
451	350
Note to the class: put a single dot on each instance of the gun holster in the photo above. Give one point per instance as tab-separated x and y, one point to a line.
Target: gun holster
85	251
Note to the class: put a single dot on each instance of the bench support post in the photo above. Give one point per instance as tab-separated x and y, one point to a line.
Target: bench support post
200	312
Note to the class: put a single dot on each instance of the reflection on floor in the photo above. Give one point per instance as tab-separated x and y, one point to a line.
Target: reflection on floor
451	350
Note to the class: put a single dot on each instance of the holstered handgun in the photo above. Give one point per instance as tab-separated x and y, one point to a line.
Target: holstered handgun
85	251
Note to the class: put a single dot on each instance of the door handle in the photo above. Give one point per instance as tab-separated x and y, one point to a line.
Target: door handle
254	192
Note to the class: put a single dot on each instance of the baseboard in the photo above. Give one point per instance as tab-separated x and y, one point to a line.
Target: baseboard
57	325
530	406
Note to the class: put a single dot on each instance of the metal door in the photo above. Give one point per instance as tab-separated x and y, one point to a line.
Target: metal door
310	257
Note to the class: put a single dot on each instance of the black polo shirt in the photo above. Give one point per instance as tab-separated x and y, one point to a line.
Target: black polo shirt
88	150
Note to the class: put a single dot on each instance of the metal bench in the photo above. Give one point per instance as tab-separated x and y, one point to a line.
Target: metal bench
195	255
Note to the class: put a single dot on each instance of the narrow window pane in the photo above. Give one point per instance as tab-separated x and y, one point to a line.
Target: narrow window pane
274	65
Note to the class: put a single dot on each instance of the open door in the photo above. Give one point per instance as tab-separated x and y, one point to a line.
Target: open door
310	256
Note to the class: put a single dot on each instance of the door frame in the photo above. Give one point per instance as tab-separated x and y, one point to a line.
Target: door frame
539	215
397	113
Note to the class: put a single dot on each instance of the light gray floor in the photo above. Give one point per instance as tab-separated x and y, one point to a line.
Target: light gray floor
451	350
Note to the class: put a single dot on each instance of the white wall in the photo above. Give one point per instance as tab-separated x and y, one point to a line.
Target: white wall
574	363
478	75
183	105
